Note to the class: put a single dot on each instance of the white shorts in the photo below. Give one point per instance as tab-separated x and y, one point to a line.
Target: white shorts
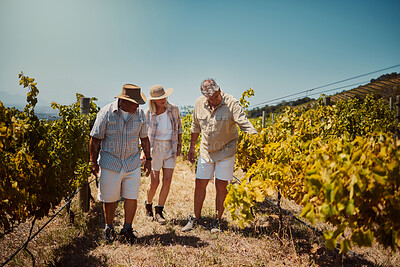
223	169
162	155
113	185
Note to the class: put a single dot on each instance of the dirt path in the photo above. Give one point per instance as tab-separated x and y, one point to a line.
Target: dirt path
81	244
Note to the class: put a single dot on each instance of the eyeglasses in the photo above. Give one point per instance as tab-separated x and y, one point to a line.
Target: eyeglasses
215	96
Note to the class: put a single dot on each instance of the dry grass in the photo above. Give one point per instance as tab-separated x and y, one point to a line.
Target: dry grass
80	244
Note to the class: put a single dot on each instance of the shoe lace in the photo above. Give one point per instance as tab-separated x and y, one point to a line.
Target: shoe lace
109	231
192	219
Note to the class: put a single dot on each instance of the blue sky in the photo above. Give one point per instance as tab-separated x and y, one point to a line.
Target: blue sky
275	47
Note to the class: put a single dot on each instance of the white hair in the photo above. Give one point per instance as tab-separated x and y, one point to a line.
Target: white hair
209	87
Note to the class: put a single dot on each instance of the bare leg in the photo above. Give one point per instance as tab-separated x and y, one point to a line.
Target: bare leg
130	206
109	212
199	196
155	181
166	184
220	187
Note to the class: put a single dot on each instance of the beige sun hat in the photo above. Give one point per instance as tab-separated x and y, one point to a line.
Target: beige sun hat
132	93
158	92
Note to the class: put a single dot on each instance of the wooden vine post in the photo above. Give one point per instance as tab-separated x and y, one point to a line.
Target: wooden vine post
84	197
280	211
263	119
391	103
327	101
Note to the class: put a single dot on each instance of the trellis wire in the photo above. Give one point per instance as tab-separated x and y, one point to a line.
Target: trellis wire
41	228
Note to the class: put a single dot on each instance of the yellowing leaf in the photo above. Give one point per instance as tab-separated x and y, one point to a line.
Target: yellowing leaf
350	207
344	246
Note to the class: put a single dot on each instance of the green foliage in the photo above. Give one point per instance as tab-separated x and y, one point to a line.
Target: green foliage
186	135
70	136
41	162
356	186
246	94
338	161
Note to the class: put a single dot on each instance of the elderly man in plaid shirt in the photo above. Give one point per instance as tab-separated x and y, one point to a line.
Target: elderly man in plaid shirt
118	128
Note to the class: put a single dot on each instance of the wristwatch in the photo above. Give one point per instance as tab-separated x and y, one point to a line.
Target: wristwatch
149	158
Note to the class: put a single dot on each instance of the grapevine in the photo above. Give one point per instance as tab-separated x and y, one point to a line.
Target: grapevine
338	161
41	162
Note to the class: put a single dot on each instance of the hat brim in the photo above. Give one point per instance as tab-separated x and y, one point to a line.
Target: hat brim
168	92
139	101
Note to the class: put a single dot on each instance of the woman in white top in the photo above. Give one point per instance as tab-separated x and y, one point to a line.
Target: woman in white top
165	133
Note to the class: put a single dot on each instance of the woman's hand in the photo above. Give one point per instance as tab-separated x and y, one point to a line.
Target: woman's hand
147	167
142	158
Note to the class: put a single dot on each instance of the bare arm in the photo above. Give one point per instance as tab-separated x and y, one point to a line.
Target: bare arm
93	150
192	152
146	149
179	149
241	119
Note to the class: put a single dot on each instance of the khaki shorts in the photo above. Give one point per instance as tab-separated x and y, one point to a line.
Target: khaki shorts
162	155
113	185
222	169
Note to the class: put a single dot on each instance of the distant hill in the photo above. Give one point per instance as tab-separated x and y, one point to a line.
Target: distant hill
43	108
13	100
19	101
385	86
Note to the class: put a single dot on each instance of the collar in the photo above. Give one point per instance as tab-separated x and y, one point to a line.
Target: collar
115	108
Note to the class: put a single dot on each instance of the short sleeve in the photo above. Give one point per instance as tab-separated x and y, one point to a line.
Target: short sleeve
241	119
99	127
144	127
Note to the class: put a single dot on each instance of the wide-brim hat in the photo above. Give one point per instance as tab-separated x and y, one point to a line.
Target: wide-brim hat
158	92
132	93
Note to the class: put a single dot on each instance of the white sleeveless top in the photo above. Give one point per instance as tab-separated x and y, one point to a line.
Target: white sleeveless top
164	127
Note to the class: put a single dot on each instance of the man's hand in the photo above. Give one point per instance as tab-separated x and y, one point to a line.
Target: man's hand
93	149
147	167
95	169
192	151
191	154
146	150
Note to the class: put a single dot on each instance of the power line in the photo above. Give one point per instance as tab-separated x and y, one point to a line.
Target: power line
328	90
319	87
342	87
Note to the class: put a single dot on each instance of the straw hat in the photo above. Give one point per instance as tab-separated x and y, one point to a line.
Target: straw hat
158	92
132	93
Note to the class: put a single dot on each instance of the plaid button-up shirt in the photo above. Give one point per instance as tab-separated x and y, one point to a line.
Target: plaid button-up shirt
218	128
173	114
119	138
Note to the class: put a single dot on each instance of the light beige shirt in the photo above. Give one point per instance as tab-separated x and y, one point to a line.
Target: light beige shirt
218	128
